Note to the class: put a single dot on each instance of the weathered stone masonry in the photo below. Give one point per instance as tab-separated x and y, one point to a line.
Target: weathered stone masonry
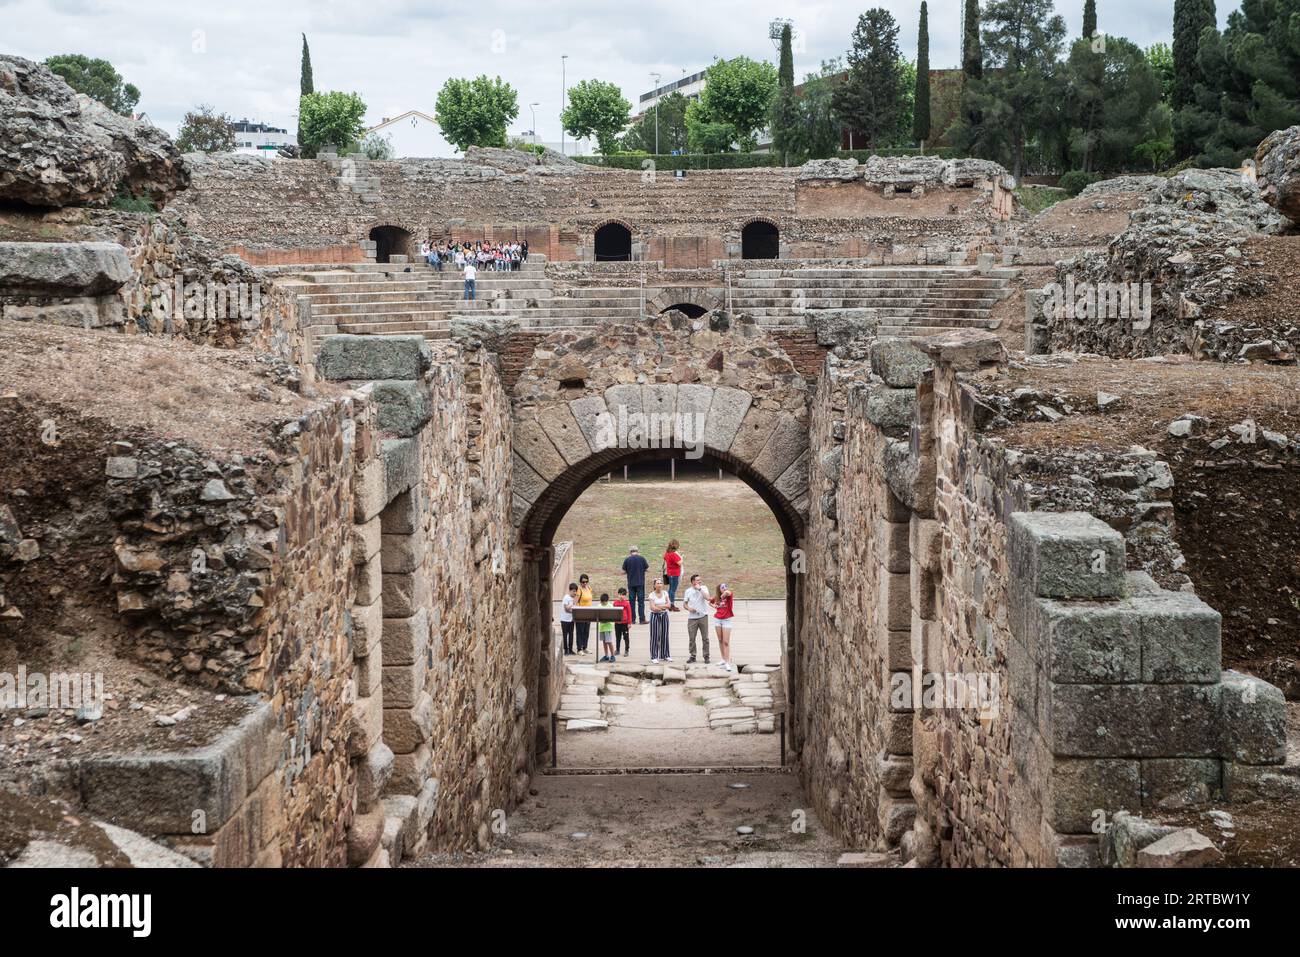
1109	694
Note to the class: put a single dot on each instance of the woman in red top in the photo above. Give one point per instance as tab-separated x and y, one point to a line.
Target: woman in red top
722	617
672	572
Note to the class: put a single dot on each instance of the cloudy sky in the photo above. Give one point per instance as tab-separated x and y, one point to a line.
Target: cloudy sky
241	56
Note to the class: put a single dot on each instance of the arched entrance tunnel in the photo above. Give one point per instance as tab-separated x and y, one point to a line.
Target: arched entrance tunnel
613	243
689	309
929	712
391	241
760	240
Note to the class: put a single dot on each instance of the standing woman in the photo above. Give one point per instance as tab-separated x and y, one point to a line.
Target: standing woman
722	617
659	605
584	601
673	571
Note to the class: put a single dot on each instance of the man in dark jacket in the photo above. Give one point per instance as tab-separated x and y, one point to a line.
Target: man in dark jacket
634	567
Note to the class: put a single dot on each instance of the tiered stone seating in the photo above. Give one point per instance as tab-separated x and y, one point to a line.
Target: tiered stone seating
905	301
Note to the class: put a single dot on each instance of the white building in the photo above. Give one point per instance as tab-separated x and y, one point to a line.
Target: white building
688	86
414	135
258	139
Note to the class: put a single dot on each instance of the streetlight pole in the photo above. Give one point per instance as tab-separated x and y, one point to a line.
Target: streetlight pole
657	98
533	108
564	93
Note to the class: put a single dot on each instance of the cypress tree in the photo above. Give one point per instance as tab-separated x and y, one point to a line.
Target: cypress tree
921	107
1191	17
305	85
1089	18
785	111
972	54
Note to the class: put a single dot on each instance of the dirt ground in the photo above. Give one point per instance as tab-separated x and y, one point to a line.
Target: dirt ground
220	399
727	532
659	820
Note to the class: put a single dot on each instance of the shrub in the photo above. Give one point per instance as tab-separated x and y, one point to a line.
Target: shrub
1076	181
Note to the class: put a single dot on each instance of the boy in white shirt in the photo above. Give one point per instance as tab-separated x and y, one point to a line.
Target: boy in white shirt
566	616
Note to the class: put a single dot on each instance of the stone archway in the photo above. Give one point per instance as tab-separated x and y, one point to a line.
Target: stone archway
760	239
702	298
391	240
728	396
612	242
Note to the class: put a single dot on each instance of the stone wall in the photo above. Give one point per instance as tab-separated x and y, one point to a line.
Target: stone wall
325	209
1074	686
447	677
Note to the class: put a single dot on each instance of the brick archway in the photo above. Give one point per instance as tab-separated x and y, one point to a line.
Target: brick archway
706	298
760	238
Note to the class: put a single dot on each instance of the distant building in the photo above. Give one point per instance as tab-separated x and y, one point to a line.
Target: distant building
688	86
258	139
414	134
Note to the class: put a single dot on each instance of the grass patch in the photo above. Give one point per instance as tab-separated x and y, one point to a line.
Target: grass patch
727	533
1038	198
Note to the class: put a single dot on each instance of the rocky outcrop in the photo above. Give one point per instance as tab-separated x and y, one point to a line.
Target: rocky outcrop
1183	252
517	161
60	148
1278	165
63	269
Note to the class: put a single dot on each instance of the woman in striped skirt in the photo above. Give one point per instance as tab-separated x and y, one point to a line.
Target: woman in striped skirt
659	605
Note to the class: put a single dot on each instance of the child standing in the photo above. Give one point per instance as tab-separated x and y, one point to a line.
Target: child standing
605	631
566	617
623	629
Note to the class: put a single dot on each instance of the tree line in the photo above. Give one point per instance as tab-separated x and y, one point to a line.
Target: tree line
1027	95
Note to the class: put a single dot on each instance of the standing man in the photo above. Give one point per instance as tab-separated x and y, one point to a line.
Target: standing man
697	618
634	567
471	279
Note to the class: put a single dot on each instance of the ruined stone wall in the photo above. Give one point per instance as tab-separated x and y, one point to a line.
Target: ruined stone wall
447	681
1072	687
324	211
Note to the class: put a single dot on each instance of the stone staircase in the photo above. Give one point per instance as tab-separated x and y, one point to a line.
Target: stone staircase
905	301
401	298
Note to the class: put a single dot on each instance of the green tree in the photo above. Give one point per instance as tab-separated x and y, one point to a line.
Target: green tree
972	53
1161	58
819	131
97	79
704	135
972	72
203	131
785	110
1250	82
1019	95
305	83
1089	18
598	109
476	112
738	92
921	99
671	118
330	119
1114	101
1191	19
871	98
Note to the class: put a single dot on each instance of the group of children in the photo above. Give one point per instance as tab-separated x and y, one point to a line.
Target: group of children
611	634
502	257
617	634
